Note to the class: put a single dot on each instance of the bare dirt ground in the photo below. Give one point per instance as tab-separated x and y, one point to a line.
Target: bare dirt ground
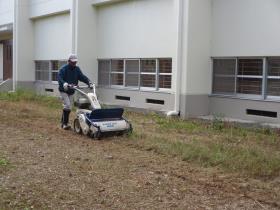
54	169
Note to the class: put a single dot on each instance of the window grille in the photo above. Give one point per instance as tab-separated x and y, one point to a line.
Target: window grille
56	65
258	77
224	76
104	72
165	73
47	70
149	74
117	71
42	70
132	68
250	76
273	77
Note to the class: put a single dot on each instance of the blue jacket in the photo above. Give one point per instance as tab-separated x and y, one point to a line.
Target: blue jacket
72	76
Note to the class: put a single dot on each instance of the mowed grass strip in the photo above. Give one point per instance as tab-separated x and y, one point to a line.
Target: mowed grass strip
228	146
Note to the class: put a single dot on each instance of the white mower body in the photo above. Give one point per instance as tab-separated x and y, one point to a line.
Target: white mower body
93	120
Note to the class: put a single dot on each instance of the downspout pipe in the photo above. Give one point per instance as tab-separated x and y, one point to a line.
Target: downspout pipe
15	45
179	58
74	26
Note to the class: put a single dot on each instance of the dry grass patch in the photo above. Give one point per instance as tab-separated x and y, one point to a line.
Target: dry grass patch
56	169
228	146
249	151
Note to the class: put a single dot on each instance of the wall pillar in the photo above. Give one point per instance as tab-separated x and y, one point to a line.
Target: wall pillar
86	38
1	62
24	68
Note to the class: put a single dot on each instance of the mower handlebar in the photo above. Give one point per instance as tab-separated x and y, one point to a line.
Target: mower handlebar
79	87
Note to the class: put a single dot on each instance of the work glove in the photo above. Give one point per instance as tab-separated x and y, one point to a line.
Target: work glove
65	86
90	85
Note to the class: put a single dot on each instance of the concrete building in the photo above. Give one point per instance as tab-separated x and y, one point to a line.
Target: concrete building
193	57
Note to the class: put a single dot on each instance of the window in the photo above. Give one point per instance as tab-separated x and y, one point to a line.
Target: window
47	70
165	73
104	72
257	77
224	76
56	65
273	77
238	76
249	78
148	74
132	73
117	70
42	69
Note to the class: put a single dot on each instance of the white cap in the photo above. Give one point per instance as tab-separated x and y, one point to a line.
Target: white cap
73	58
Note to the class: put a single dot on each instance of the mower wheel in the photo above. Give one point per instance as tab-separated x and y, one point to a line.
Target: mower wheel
77	126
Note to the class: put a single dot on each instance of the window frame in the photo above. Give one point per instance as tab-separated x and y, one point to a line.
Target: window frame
265	77
164	74
254	96
133	73
50	71
55	71
271	97
110	67
139	87
116	72
221	76
149	73
36	70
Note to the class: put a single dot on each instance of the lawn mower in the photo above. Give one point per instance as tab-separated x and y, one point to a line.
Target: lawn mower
94	121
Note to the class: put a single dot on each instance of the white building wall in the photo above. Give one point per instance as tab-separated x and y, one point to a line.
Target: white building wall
246	28
52	37
40	8
137	29
6	12
1	62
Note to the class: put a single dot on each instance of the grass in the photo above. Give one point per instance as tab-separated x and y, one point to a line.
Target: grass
3	162
30	96
227	146
250	161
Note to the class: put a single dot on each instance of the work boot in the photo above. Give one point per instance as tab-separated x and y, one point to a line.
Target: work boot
65	119
66	127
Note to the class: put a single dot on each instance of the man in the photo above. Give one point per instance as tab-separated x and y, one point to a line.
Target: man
69	74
